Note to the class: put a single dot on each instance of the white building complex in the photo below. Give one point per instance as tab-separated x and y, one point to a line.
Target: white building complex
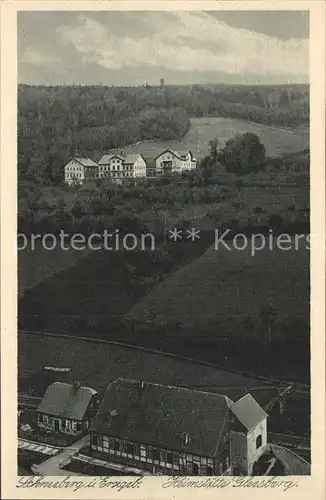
174	161
118	167
79	170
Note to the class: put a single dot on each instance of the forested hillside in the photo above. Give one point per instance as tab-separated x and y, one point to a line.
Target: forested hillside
55	123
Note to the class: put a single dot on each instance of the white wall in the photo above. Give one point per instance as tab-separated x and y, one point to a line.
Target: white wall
252	452
74	172
243	450
139	169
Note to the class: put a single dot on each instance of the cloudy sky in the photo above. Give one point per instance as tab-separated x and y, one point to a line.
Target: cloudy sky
131	48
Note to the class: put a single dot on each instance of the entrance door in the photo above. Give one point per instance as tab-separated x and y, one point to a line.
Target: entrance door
56	425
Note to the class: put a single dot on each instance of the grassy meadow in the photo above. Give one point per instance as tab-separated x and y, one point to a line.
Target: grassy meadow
218	291
276	140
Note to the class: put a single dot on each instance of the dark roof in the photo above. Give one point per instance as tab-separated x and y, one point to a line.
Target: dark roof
248	411
66	401
150	162
86	162
163	416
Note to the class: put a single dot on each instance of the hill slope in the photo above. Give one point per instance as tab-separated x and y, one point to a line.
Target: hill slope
218	291
202	130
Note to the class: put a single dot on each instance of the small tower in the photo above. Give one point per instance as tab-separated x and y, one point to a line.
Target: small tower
162	82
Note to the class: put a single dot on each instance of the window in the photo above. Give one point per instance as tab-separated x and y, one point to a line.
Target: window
130	448
156	454
117	445
176	458
259	441
45	419
209	471
162	455
195	469
149	452
169	457
94	439
142	451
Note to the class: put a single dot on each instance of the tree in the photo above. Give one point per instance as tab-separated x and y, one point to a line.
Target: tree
213	150
258	211
243	154
267	316
292	210
275	222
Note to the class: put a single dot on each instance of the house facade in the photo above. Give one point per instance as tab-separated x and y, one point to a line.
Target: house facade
171	161
110	166
67	408
171	430
79	170
118	168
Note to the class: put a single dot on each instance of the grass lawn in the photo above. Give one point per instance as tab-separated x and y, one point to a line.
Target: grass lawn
36	265
202	130
221	288
99	288
97	363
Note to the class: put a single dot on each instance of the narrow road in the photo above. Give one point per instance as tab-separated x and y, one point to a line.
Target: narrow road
51	467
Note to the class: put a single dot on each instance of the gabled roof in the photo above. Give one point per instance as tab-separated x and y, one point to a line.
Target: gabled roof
86	162
132	158
248	411
179	154
66	400
150	162
162	415
105	159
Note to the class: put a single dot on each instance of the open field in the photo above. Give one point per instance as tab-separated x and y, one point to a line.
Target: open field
220	289
202	130
34	266
97	363
100	289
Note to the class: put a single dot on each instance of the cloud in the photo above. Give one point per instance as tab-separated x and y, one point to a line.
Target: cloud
186	41
38	58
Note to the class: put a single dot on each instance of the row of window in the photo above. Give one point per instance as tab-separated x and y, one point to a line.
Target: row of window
74	168
148	452
176	164
115	174
63	424
74	175
122	167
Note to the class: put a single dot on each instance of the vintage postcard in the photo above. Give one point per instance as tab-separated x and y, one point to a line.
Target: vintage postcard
163	249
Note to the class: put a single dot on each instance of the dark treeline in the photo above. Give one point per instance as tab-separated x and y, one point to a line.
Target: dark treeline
55	123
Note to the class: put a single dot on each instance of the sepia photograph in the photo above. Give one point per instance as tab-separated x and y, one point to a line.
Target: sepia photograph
165	294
